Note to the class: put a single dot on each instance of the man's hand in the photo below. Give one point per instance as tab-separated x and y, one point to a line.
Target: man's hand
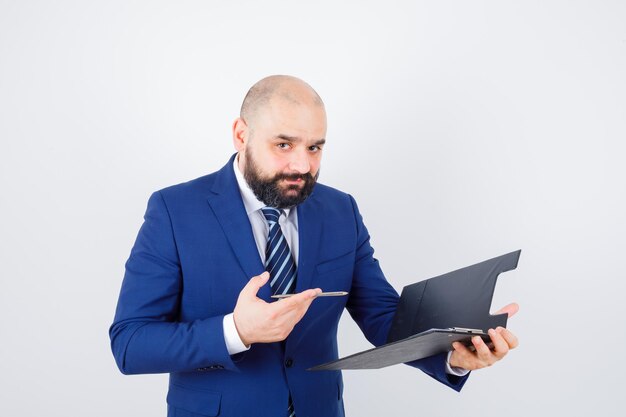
260	322
502	339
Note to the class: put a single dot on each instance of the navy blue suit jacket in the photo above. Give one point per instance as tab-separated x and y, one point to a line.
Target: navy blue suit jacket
195	252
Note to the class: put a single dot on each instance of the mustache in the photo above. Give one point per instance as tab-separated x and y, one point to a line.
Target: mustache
293	177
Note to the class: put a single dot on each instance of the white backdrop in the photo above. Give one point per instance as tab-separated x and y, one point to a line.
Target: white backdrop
464	129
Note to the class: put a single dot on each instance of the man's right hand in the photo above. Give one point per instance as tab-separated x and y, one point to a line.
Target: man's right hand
260	322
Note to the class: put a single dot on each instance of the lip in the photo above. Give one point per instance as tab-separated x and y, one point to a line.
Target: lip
297	181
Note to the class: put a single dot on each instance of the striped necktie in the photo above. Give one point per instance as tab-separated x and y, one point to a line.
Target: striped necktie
278	260
280	264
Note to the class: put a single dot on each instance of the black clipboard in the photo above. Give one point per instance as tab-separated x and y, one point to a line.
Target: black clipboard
434	313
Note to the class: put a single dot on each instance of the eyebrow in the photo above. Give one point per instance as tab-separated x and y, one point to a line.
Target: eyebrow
297	139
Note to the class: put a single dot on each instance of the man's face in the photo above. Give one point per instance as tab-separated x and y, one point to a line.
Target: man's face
281	155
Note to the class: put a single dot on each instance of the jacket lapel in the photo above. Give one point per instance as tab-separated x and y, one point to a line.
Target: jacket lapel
309	233
227	205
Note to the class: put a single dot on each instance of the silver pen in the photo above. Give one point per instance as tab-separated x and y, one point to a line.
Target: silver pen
324	294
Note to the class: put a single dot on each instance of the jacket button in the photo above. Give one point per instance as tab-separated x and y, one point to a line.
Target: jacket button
289	362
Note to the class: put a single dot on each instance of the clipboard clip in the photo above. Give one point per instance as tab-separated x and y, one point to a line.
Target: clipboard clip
465	330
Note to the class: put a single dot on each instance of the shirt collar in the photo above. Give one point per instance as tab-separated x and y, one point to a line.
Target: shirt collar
250	202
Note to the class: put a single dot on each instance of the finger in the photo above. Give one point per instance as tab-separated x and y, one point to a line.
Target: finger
462	357
307	295
461	348
510	309
298	300
482	351
255	283
510	338
501	347
318	291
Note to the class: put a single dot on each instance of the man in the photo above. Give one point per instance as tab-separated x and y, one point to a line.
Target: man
195	301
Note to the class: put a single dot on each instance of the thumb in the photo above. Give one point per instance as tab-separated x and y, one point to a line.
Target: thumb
255	283
509	309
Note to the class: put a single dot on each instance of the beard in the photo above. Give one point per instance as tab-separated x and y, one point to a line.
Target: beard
269	191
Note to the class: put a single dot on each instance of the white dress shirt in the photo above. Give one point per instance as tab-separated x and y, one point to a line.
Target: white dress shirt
288	221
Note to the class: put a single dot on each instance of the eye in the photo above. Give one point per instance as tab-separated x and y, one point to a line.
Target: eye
283	145
315	148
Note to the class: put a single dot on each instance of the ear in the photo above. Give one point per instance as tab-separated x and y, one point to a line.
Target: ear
240	134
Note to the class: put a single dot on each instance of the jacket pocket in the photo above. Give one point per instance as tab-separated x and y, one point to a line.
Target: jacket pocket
194	400
336	263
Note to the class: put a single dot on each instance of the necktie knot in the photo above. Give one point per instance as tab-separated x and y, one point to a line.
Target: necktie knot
271	214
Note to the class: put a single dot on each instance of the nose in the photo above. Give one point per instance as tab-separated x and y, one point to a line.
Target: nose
300	162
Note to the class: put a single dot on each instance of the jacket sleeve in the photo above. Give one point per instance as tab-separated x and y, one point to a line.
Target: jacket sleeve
373	301
146	336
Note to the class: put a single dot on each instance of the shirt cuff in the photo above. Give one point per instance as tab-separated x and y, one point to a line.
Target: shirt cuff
452	370
234	344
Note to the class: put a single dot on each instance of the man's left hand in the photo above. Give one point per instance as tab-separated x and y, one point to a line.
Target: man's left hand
503	341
